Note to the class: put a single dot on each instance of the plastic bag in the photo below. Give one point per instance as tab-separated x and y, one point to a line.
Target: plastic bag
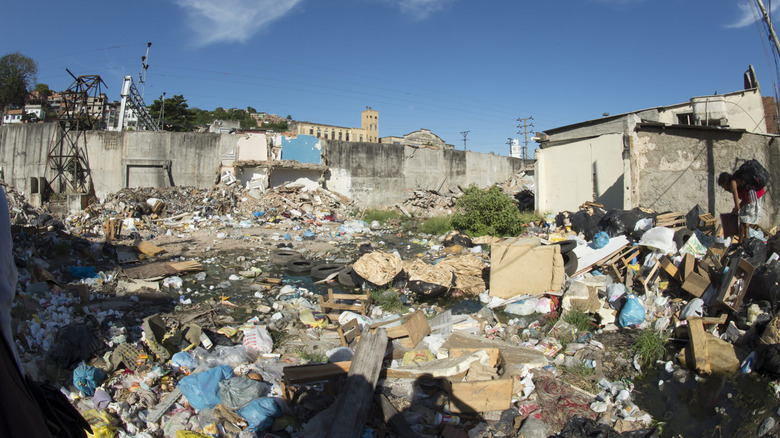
237	392
522	308
633	312
310	319
660	238
202	389
695	307
600	240
184	359
260	413
348	316
86	378
257	338
340	354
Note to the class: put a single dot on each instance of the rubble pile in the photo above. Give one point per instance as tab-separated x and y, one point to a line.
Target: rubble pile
384	333
429	203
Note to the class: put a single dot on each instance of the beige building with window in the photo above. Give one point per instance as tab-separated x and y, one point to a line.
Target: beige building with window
368	132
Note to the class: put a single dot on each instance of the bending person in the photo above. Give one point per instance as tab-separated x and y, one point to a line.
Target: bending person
747	202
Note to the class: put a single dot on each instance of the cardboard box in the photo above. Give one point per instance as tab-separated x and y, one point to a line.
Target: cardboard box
736	283
522	266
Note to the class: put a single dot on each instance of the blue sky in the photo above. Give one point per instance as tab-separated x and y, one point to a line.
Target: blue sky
444	65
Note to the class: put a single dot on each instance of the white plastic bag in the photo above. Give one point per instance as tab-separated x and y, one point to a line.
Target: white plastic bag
257	338
660	238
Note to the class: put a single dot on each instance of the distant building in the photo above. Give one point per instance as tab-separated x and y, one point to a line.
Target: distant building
368	132
420	138
224	126
12	116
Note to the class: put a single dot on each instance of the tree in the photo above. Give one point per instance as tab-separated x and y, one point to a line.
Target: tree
175	112
43	90
17	74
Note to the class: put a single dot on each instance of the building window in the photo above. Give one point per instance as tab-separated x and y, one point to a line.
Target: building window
318	133
311	131
339	135
685	119
347	135
361	138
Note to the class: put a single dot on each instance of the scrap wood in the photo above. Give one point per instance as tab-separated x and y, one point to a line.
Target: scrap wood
394	418
346	417
480	396
149	248
161	269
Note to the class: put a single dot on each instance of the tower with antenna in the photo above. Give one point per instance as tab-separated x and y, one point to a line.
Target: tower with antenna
132	109
464	134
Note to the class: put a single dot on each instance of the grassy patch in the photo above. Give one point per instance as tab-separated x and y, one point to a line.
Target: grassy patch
279	338
579	319
527	217
650	345
581	376
378	215
389	300
310	357
436	225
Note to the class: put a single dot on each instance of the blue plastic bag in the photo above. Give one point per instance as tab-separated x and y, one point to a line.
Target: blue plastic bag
260	413
184	359
600	240
202	389
87	378
82	272
633	312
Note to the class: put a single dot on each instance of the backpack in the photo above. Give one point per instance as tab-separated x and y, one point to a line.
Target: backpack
753	174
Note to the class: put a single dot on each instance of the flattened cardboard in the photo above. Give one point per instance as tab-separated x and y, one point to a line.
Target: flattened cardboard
481	396
522	266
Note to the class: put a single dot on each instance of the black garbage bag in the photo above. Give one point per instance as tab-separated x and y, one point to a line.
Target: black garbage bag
583	427
768	359
77	342
765	284
773	244
587	224
457	238
754	251
612	223
560	218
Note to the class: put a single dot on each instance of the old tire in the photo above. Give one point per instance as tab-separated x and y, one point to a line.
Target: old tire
681	236
324	270
345	277
300	265
566	245
570	263
282	256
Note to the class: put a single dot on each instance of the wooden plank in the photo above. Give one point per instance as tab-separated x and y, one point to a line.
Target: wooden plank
149	248
698	339
482	396
316	372
347	416
151	270
416	328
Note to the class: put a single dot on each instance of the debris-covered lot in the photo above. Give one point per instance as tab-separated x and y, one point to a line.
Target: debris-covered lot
227	312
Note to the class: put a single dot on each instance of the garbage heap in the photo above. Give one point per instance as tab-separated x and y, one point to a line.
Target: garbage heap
465	338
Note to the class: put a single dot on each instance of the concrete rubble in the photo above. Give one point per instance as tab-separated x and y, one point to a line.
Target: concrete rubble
229	312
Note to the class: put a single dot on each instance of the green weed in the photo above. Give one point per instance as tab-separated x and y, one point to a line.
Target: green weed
436	225
488	212
378	215
310	357
650	345
580	320
389	300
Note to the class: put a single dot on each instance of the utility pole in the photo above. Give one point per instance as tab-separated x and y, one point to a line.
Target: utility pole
525	132
464	134
161	123
144	67
509	143
773	37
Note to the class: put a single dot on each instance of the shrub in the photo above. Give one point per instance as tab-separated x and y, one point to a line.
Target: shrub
487	212
579	319
378	215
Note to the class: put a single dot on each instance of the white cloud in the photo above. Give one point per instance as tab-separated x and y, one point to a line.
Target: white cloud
749	13
421	9
218	21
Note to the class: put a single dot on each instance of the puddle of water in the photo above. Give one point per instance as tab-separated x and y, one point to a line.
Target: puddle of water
716	406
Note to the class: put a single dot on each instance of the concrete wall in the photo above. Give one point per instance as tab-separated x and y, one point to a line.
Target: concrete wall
675	169
372	173
569	173
377	175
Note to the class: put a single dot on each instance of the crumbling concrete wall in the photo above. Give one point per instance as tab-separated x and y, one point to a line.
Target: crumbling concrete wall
376	175
675	169
24	151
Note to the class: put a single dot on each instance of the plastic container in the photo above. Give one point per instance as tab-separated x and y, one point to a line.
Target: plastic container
447	419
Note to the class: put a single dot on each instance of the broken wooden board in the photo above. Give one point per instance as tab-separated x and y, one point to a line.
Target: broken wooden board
161	269
482	396
293	375
149	248
414	328
587	256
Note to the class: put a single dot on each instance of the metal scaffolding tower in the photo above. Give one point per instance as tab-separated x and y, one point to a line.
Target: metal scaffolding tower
67	163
